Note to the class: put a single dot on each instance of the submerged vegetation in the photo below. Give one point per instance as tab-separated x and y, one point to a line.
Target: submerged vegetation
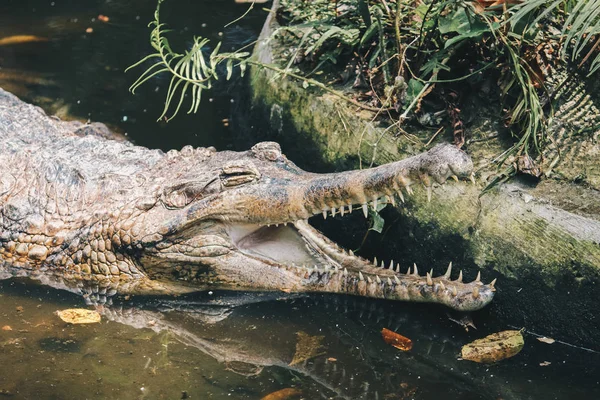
411	60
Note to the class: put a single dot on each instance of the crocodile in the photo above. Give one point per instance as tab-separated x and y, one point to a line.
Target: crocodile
76	206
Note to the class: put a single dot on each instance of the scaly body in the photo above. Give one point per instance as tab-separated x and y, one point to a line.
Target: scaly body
79	207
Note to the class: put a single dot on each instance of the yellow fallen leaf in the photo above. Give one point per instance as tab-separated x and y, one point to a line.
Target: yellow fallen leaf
79	316
18	39
494	347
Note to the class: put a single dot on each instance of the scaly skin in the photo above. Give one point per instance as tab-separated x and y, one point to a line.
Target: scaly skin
78	207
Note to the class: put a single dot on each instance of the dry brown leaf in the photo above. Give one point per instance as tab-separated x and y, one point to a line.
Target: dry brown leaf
546	340
398	341
103	18
7	328
307	347
494	347
79	316
283	394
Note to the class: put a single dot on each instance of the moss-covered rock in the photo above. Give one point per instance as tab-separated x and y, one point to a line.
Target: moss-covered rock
540	240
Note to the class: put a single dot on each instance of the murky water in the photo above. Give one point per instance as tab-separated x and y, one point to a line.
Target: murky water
220	345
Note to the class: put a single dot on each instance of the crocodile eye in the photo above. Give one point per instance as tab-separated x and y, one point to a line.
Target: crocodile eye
236	173
181	195
270	151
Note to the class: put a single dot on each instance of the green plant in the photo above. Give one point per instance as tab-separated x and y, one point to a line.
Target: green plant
191	72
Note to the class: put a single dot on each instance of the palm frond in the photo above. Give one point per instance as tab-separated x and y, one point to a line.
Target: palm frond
580	27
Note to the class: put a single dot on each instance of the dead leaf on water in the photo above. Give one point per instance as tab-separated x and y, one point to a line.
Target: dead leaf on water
545	363
546	340
398	341
79	316
283	394
494	347
19	39
307	347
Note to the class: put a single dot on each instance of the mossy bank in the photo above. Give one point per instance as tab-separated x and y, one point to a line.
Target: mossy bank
541	239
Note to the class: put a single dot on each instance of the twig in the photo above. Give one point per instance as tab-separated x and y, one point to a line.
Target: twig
434	136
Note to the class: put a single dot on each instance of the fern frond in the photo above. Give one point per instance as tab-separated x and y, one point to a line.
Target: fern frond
191	72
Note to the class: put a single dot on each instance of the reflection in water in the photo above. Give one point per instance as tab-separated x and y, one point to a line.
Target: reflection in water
246	345
225	345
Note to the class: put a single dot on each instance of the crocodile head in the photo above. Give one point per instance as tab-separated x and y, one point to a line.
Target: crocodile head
239	220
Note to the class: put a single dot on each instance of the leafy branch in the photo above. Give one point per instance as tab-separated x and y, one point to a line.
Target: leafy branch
192	72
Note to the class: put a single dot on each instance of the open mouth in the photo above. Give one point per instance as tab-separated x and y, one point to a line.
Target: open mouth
326	266
298	244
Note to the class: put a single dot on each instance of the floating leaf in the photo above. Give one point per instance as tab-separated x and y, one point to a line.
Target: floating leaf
398	341
546	340
283	394
79	316
20	39
494	347
307	347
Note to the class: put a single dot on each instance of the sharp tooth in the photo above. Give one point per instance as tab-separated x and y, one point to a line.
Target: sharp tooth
333	211
416	270
401	195
350	208
396	280
345	272
442	286
391	265
382	264
475	292
492	283
392	199
389	282
454	177
285	224
276	225
472	178
324	214
478	278
377	279
365	209
375	261
431	272
369	279
342	210
409	190
429	194
360	276
374	203
351	252
448	271
408	270
268	225
429	280
459	276
454	291
398	268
